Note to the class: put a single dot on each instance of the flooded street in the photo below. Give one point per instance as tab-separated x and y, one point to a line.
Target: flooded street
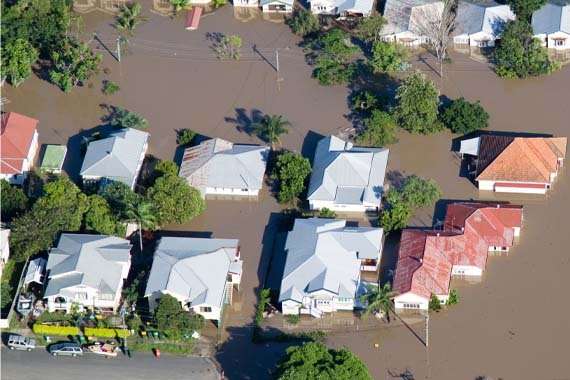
515	324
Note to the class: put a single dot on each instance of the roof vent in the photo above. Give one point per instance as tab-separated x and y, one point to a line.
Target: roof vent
498	205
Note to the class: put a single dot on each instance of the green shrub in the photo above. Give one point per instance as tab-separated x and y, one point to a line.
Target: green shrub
293	318
55	330
327	213
464	117
434	303
264	296
56	316
185	136
106	333
303	22
110	87
453	298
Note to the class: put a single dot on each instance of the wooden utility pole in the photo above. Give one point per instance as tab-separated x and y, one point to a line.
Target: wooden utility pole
119	48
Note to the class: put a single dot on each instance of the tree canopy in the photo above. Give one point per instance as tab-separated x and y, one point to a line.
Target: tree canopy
120	198
100	218
271	127
333	53
520	55
369	28
73	63
465	117
291	172
388	57
120	117
13	201
378	299
379	130
316	361
303	22
173	320
418	103
525	8
18	56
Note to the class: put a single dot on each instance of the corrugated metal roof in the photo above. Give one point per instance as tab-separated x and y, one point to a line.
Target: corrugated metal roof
551	18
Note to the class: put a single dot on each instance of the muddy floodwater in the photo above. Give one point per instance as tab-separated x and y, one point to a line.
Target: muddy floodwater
514	324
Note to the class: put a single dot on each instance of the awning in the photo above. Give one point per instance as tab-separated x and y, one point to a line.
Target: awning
470	146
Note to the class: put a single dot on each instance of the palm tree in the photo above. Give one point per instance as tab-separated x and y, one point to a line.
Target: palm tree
142	214
270	127
378	299
129	17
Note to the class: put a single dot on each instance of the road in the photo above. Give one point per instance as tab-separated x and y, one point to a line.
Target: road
16	366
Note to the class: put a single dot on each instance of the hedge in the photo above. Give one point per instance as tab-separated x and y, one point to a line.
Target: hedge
55	330
106	333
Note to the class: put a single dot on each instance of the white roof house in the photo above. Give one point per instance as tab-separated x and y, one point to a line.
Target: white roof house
277	6
199	272
551	25
322	268
118	157
480	23
221	167
407	20
87	270
347	178
342	7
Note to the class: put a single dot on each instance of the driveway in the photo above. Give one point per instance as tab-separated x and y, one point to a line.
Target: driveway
16	366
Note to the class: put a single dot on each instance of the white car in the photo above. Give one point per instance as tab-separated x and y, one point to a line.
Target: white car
18	342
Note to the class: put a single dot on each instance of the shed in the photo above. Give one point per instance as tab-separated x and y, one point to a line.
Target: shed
53	159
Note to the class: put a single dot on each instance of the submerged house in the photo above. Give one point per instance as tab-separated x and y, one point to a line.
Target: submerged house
551	25
511	164
480	23
323	265
87	271
200	273
407	20
347	178
427	259
220	167
18	146
342	8
118	157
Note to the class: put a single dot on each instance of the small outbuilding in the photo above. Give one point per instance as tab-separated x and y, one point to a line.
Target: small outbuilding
54	156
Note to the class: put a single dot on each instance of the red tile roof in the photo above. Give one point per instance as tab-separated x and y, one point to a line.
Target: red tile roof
425	257
16	138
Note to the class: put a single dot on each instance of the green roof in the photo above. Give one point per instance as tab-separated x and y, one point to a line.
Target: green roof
54	156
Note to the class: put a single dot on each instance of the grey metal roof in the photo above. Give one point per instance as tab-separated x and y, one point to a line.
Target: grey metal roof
115	157
346	174
482	16
193	269
325	254
399	14
86	260
220	163
354	6
551	18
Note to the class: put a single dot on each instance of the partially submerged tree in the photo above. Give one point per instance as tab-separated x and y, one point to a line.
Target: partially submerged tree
73	64
129	18
434	303
418	103
178	5
123	118
185	136
333	54
227	47
388	57
378	299
316	361
17	59
464	117
303	22
291	172
369	28
437	24
271	127
379	130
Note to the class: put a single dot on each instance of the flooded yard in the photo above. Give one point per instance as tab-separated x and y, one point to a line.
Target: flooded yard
514	324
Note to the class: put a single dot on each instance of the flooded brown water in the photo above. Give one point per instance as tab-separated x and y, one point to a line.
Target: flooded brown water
515	324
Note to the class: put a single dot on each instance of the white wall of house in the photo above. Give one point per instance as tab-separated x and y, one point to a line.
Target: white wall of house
410	301
557	41
209	312
322	300
290	307
491	186
406	38
232	191
466	270
84	296
323	7
246	3
276	7
4	245
319	205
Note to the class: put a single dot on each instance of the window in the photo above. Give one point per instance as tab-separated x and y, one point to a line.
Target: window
482	43
81	296
205	309
244	190
559	42
411	306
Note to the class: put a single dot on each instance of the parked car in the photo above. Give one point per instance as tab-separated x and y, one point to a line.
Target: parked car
65	348
18	342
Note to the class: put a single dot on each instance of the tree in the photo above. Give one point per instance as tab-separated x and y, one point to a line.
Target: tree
316	361
61	208
395	215
228	47
172	319
185	136
129	17
73	64
121	198
219	3
100	218
303	22
291	172
123	118
327	213
453	298
363	102
333	53
378	299
5	294
388	57
142	214
418	102
270	127
434	303
520	55
369	28
173	200
525	8
418	192
379	130
110	87
465	117
166	167
13	201
17	59
437	24
178	5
